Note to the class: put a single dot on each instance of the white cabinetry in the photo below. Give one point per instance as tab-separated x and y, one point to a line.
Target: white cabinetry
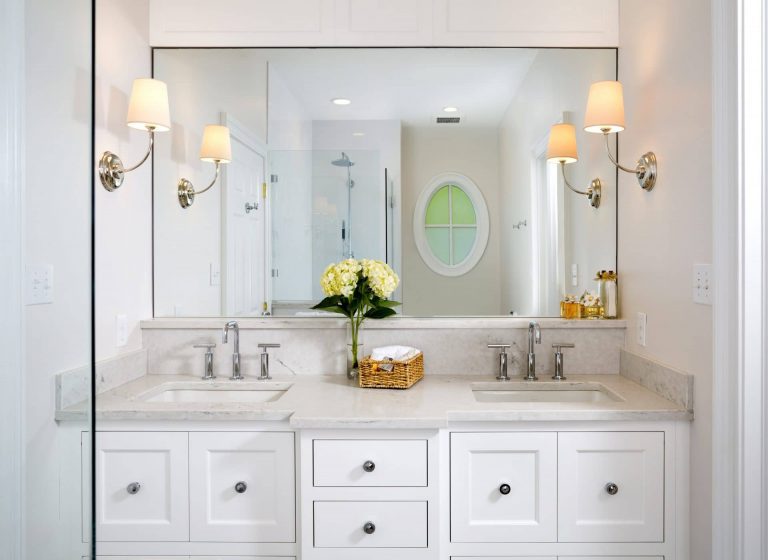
141	486
611	487
241	487
503	487
370	524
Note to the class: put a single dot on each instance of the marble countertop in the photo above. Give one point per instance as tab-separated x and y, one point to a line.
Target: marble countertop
436	401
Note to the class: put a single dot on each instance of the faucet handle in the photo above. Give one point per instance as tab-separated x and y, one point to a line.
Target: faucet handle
267	346
207	345
502	346
558	346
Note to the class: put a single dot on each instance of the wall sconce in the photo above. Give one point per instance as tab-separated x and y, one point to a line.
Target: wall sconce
605	115
562	149
216	149
147	110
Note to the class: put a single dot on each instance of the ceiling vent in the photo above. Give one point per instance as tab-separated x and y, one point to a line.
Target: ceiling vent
447	120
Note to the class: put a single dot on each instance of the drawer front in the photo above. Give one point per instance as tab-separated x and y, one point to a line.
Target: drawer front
503	487
141	486
242	487
394	524
611	486
370	462
506	558
610	558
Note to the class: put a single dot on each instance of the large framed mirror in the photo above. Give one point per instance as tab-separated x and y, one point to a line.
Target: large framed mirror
431	159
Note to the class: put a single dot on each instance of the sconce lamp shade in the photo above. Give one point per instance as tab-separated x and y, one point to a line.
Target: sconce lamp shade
562	144
148	107
216	145
605	108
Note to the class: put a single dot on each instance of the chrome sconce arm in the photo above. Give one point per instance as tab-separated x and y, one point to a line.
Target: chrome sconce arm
111	169
187	192
594	192
646	169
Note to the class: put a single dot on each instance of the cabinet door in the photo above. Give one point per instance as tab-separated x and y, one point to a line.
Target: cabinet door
503	487
243	486
141	486
611	486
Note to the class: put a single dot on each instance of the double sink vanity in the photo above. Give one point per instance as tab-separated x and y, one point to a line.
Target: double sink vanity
464	466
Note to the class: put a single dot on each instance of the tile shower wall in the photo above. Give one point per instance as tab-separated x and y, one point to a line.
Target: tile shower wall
452	346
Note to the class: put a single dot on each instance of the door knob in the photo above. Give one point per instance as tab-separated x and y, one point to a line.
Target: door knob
612	488
369	528
505	489
241	487
369	466
249	207
133	488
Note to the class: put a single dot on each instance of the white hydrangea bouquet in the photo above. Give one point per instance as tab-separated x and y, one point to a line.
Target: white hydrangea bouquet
359	290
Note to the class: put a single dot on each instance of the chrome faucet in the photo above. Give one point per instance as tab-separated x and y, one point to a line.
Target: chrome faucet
236	375
534	337
265	360
558	346
208	364
503	361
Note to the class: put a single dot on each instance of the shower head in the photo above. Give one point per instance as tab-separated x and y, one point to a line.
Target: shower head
343	161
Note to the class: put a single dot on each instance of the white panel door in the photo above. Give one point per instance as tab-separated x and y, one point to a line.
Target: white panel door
503	487
141	486
611	486
245	252
242	487
370	525
370	462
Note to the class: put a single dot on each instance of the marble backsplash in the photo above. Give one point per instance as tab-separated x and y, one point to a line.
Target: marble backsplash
451	346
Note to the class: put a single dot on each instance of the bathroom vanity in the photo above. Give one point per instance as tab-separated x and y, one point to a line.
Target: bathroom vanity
466	467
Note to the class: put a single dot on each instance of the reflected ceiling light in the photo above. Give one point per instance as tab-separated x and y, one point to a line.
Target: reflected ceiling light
341	101
147	110
450	109
605	115
561	148
216	149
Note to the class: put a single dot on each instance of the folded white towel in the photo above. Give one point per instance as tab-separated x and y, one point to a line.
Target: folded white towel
398	353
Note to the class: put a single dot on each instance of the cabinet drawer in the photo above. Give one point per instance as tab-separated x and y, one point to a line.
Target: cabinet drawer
242	487
370	462
503	487
141	486
394	524
611	486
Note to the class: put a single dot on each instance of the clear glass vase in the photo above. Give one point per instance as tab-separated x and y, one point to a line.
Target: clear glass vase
354	350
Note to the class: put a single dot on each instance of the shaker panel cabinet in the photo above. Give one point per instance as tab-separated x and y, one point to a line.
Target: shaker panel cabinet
503	487
141	486
242	486
611	486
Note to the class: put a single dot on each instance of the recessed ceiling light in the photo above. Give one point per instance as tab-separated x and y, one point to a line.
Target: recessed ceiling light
358	134
450	109
341	101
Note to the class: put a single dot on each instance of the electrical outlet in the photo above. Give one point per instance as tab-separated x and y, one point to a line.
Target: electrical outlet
574	275
215	274
642	328
121	330
39	284
702	284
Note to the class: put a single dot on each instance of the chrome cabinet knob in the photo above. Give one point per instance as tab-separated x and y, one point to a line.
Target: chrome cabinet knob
505	489
133	488
241	487
612	488
369	466
369	528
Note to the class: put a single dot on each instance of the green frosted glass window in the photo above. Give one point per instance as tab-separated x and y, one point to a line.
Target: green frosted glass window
450	224
440	243
439	207
461	207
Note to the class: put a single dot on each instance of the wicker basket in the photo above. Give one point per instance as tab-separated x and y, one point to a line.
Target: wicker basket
403	375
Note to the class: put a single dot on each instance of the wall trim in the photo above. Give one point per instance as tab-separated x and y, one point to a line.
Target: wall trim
11	242
740	357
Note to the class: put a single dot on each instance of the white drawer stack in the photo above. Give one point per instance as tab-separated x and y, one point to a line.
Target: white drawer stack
368	494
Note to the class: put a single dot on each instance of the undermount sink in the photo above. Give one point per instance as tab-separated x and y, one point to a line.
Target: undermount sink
543	392
206	393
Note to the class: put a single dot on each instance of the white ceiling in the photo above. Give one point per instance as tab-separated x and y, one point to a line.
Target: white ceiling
411	85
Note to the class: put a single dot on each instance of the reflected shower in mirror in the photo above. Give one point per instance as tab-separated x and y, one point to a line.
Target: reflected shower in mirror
432	160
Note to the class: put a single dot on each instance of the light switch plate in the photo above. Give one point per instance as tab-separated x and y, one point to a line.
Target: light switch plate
121	330
215	274
702	284
574	275
39	284
642	328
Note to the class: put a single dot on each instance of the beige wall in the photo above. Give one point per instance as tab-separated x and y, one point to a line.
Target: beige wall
473	152
666	71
